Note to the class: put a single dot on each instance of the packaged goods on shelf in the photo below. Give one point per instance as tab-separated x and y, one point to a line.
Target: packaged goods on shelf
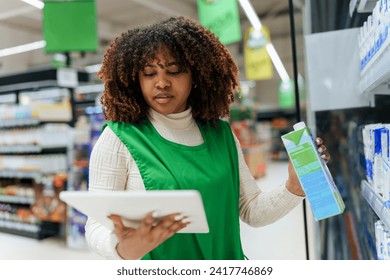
50	163
54	112
377	158
43	105
374	36
16	193
40	137
376	190
87	131
75	237
382	241
48	206
36	149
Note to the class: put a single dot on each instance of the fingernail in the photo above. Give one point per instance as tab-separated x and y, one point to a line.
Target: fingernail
178	217
186	220
320	150
323	156
155	214
318	141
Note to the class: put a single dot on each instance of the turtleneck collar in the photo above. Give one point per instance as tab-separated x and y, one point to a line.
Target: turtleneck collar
177	121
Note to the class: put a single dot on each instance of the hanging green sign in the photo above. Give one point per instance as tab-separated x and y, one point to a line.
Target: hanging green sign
70	26
286	94
222	18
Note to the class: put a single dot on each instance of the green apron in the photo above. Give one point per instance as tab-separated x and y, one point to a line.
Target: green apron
211	168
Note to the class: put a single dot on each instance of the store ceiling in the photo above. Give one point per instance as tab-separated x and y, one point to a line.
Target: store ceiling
116	16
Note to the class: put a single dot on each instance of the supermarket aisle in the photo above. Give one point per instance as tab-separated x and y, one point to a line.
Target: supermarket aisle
282	240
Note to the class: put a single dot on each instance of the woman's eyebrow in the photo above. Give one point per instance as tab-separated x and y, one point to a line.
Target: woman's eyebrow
172	63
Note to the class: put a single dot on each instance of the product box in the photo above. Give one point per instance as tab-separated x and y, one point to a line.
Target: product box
317	182
385	137
369	149
376	151
377	167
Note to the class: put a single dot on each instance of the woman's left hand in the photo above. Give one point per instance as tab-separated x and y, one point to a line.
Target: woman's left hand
293	184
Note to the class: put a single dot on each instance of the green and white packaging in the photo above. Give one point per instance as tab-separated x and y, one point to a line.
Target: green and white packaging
321	192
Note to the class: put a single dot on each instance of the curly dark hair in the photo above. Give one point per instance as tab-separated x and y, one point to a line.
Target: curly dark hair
214	72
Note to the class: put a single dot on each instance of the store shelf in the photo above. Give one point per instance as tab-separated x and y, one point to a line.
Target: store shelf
31	149
361	6
18	123
36	231
4	124
376	202
376	76
272	113
36	79
43	161
20	149
17	199
24	174
19	174
17	226
366	6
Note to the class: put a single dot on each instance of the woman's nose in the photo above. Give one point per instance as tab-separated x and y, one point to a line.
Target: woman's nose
163	83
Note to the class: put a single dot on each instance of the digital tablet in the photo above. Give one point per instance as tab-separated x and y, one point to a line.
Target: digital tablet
133	206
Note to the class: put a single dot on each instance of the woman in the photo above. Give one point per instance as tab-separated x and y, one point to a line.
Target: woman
167	86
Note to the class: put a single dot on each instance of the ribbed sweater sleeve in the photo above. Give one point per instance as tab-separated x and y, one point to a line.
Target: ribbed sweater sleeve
259	208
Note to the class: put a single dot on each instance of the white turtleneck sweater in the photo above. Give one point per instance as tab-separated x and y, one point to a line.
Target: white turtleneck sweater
112	167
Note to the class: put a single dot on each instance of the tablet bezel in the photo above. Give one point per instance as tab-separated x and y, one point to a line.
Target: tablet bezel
133	206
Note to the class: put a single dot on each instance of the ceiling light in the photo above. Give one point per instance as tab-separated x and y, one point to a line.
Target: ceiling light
277	62
251	14
22	48
255	21
36	3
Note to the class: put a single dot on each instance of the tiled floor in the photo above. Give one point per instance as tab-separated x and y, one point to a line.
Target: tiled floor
283	240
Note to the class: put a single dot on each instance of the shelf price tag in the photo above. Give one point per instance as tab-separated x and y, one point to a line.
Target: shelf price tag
67	77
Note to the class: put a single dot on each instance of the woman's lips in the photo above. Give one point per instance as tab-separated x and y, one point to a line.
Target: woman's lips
163	98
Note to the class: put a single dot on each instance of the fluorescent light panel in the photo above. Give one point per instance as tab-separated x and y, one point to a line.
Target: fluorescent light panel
251	14
36	3
277	62
256	23
30	46
23	48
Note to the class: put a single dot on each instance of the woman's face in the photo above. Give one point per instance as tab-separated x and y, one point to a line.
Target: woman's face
164	84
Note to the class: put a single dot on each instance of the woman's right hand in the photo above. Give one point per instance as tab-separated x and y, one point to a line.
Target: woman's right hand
134	243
